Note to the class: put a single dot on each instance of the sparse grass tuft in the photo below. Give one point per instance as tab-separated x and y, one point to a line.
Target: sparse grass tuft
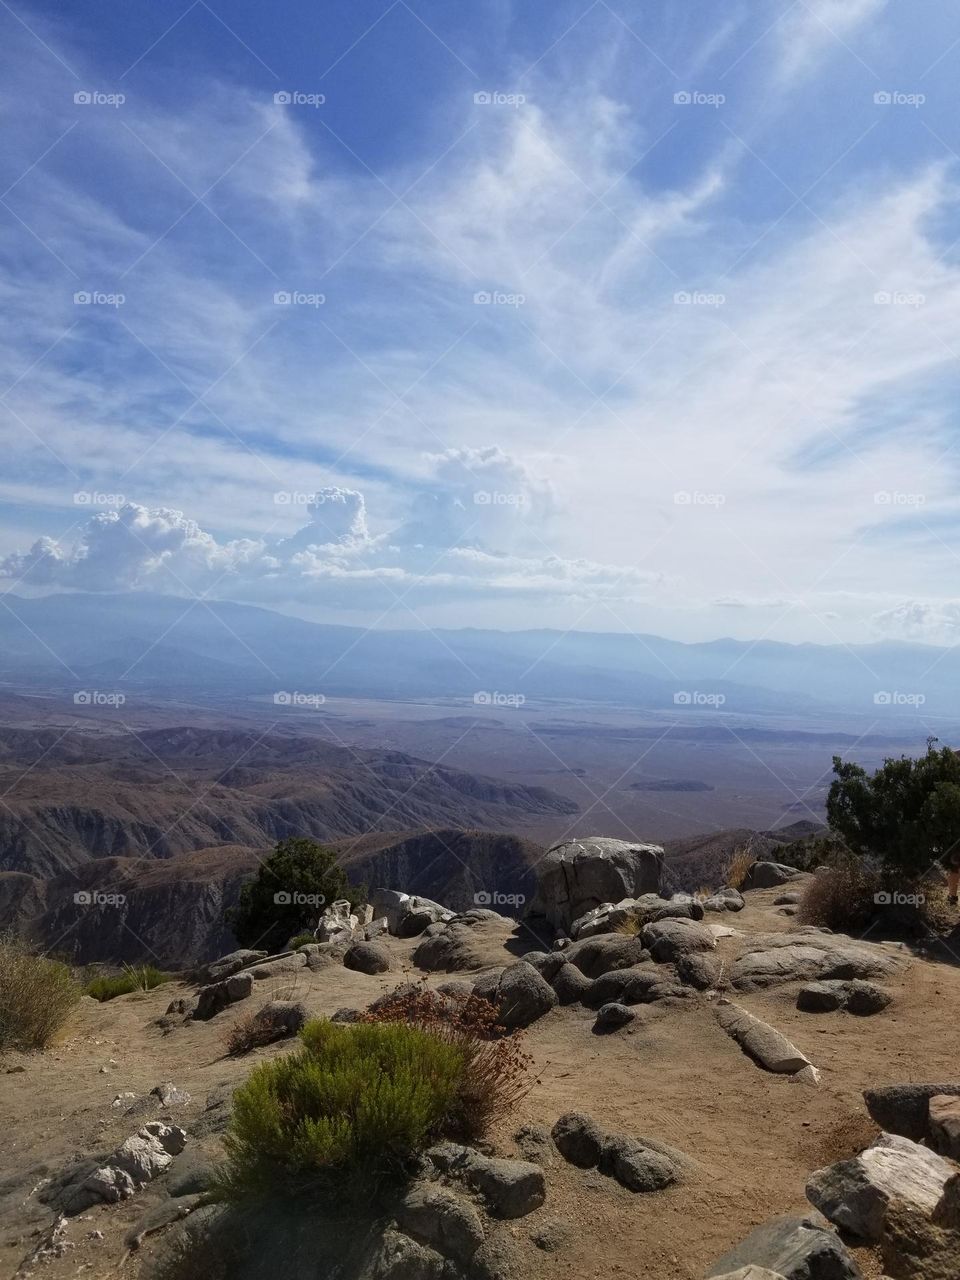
738	866
142	977
301	940
629	928
36	996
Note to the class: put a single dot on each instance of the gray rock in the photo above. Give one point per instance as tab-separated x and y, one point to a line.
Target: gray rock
865	998
607	951
613	1016
821	997
767	875
436	1217
856	996
752	1273
856	1194
904	1108
534	1143
793	1247
945	1125
769	959
553	1235
401	1258
667	940
522	996
215	998
190	1173
547	963
367	957
218	1107
641	985
281	1018
787	900
725	899
699	969
570	984
636	1166
228	965
767	1046
137	1161
168	1095
579	1139
510	1188
576	876
278	966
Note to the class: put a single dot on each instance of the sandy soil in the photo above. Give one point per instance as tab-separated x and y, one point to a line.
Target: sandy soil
673	1074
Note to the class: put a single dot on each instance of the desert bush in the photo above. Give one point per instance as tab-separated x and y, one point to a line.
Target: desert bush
36	996
301	940
254	1030
142	977
496	1071
630	927
738	866
841	896
289	891
344	1115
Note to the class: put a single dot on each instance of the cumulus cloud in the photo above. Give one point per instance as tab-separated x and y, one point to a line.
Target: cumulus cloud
333	557
930	621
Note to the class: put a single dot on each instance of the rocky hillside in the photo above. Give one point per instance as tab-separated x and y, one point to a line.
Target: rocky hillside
717	1092
73	796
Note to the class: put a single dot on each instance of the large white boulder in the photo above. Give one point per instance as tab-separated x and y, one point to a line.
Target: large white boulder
577	876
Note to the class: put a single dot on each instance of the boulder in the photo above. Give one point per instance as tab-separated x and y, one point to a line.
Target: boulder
579	1139
613	1016
905	1108
228	965
521	996
577	876
768	875
637	1166
804	954
279	1018
699	969
400	1258
213	999
278	966
547	963
570	984
767	1046
367	957
751	1273
668	939
337	922
944	1123
414	915
534	1143
510	1188
787	900
725	899
190	1173
858	997
643	984
135	1162
920	1248
594	956
610	916
855	1194
795	1248
436	1217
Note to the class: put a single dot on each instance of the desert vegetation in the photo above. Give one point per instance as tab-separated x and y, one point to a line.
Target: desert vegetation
37	996
142	977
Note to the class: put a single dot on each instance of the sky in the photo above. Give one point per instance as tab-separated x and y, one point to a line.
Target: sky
604	316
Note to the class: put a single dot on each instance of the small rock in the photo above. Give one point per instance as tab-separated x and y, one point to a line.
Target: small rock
613	1016
792	1247
510	1188
436	1217
905	1108
534	1143
579	1139
367	957
636	1166
552	1235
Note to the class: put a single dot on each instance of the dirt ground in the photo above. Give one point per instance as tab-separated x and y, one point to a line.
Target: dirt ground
673	1074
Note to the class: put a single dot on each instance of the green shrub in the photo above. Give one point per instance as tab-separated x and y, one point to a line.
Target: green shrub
301	940
344	1114
290	890
36	996
142	977
841	896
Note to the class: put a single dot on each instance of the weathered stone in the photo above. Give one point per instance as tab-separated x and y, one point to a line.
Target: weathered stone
725	899
279	1018
768	959
137	1161
228	965
570	984
613	1016
553	1235
401	1258
792	1247
367	957
278	966
669	939
190	1173
436	1217
338	922
767	875
579	1139
945	1125
534	1143
576	876
699	969
213	999
787	899
821	997
904	1108
636	1166
641	985
751	1273
510	1188
767	1046
855	1194
521	996
607	951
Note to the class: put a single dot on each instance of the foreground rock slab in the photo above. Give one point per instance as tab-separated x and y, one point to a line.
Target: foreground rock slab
893	1170
793	1247
767	1046
135	1162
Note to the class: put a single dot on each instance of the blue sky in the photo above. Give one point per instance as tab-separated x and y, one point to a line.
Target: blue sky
606	316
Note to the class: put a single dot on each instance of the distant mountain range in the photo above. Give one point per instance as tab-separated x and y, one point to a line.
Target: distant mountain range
166	646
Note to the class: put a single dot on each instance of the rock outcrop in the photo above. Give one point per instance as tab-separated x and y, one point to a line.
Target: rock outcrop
577	876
